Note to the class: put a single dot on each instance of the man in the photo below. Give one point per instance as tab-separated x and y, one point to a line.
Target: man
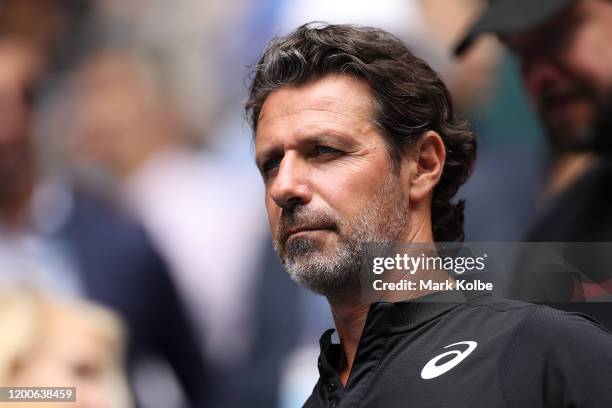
565	54
566	62
356	141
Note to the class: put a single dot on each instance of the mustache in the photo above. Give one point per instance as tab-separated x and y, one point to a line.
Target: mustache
552	97
304	218
561	93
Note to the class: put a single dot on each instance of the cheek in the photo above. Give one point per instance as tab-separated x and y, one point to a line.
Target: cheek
590	57
349	189
273	212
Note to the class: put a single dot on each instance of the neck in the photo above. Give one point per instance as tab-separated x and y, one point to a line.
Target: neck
350	309
349	312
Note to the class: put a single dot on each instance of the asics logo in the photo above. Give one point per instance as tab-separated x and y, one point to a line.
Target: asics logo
431	370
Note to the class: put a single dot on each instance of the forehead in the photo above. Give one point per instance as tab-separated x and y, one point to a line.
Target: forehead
334	100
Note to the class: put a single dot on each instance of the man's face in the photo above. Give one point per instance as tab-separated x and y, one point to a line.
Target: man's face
329	181
567	71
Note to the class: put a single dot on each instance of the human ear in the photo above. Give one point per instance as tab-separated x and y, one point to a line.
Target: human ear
429	155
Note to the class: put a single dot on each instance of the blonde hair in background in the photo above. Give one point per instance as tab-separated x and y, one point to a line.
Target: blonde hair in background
35	325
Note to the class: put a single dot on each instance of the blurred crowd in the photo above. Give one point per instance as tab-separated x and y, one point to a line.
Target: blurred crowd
135	261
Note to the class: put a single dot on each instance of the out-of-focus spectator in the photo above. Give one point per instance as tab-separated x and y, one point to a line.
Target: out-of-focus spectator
146	163
19	72
67	240
53	342
565	71
566	62
128	130
198	212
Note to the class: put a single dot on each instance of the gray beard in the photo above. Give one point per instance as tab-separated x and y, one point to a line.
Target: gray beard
327	271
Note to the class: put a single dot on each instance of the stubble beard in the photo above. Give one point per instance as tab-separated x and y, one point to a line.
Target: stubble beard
336	268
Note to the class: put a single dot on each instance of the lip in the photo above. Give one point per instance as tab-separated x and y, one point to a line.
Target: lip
303	230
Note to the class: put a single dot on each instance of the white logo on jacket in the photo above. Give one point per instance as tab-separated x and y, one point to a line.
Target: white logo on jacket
431	370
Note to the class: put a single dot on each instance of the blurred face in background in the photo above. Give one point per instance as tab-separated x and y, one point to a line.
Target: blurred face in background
567	70
120	121
66	345
18	68
70	355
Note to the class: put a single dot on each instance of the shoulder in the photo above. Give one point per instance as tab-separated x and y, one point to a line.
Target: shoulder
560	331
494	312
559	357
537	323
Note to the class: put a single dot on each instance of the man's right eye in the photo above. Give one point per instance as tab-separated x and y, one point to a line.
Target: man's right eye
270	165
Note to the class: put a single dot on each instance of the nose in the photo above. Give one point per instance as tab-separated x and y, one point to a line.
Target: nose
290	186
541	74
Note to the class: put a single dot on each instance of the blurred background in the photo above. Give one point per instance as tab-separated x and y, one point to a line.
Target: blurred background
127	180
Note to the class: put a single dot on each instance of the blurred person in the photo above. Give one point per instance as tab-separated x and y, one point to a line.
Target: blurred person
130	141
50	341
566	62
566	72
18	74
356	141
69	240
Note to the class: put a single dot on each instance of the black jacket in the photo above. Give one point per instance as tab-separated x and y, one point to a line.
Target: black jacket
449	351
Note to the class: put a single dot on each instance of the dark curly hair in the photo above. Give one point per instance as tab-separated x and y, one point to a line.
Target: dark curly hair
409	99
